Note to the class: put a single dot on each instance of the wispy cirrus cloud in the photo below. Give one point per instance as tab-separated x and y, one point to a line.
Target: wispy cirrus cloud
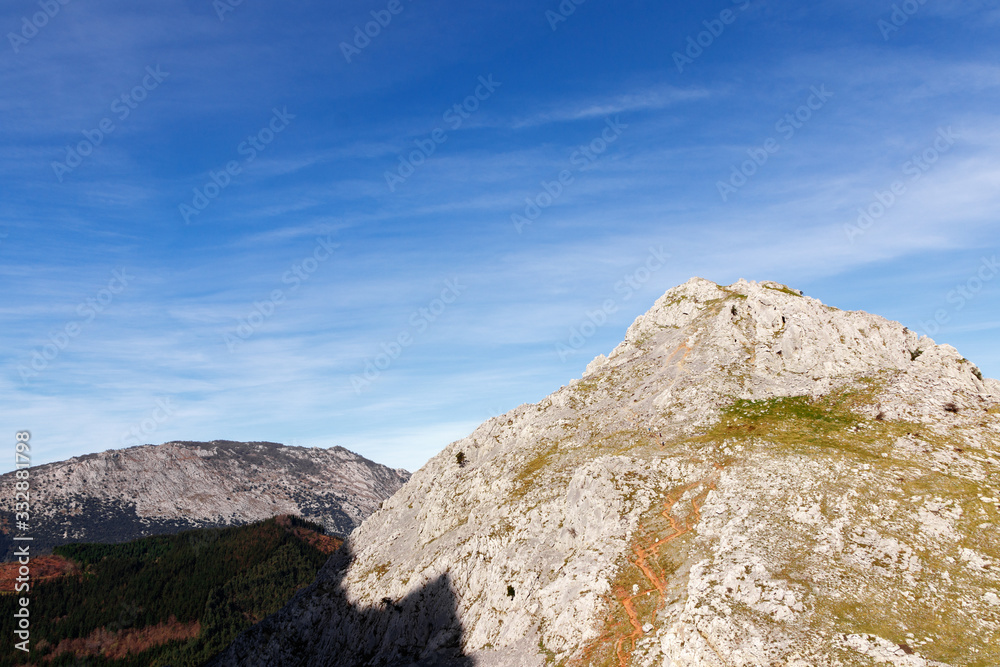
653	99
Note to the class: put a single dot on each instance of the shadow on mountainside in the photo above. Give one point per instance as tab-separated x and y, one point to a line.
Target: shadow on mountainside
320	627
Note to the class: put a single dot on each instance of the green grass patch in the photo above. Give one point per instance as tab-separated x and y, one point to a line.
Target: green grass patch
830	421
782	289
730	292
540	461
550	656
949	624
677	301
380	570
622	442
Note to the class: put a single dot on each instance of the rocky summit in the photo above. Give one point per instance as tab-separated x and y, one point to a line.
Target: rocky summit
121	495
750	478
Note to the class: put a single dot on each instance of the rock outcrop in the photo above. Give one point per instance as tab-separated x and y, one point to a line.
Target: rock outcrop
120	495
750	478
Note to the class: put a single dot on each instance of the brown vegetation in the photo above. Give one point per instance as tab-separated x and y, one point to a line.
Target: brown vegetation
42	568
324	543
116	645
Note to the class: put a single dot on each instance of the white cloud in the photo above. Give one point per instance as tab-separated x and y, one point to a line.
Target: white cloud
652	99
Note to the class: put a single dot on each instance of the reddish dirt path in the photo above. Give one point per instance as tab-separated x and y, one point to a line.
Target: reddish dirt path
643	555
646	550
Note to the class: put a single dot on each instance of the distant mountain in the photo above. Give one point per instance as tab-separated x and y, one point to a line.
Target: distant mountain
166	600
120	495
751	478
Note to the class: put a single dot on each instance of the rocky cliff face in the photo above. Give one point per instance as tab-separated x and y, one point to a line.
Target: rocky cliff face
121	495
750	478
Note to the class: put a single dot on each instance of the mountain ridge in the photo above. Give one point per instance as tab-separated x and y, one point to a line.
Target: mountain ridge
119	495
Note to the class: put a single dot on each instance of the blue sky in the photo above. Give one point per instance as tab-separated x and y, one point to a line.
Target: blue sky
339	210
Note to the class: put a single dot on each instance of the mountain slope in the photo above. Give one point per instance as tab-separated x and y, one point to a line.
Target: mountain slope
120	495
750	478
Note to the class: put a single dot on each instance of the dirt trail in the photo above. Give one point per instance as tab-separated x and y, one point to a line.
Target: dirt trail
647	549
650	550
680	362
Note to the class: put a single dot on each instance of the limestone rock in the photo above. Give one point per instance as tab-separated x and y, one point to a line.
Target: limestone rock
750	478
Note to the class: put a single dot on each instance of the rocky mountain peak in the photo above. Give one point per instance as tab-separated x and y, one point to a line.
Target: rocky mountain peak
750	478
760	340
